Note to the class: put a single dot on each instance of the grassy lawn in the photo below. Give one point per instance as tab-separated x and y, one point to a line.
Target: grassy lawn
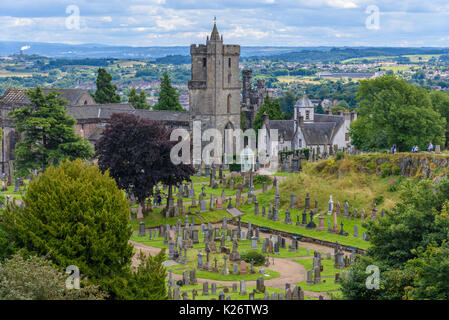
329	285
328	266
156	218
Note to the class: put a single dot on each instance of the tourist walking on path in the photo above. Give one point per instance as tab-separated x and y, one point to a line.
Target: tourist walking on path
430	147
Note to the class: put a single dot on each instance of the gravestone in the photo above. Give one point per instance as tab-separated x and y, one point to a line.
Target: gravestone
253	243
292	200
235	268
330	206
346	210
242	287
142	232
311	224
243	267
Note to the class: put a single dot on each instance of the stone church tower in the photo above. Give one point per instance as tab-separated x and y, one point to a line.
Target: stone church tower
214	89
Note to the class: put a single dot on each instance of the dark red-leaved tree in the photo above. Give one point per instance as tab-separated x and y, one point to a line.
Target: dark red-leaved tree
137	153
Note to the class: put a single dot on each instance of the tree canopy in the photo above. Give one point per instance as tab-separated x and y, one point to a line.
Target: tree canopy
77	216
36	278
106	91
392	111
409	245
168	96
272	108
136	152
287	103
139	101
47	133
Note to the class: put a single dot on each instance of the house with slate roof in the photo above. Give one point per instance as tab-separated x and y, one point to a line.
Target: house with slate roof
310	130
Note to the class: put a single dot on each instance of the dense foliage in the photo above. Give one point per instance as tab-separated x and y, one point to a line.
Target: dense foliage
47	133
106	91
77	216
409	246
392	111
137	153
168	96
139	101
270	107
36	278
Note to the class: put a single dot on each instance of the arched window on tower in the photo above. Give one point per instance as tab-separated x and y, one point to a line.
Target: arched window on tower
229	104
204	62
229	62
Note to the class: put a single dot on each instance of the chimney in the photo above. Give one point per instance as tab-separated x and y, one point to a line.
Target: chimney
300	121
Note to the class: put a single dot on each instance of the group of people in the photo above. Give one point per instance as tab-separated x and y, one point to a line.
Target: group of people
415	148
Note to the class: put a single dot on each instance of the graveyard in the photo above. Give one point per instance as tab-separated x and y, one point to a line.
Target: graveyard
308	225
206	242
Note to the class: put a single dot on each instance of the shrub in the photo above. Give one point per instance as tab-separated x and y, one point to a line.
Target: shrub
35	278
236	167
396	170
339	155
258	257
379	199
259	179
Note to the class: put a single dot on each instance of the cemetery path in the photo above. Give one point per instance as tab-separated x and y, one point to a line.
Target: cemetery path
290	271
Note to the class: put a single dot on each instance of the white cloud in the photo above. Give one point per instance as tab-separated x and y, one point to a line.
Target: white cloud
344	4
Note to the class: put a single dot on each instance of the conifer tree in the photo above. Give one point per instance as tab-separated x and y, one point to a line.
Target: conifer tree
272	108
106	91
168	96
47	133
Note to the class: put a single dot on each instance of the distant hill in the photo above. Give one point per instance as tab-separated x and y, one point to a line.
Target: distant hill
59	50
339	54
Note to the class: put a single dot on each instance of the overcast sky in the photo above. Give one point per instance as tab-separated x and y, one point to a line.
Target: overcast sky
244	22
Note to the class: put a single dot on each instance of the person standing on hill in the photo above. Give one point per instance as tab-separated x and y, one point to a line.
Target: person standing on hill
393	149
430	147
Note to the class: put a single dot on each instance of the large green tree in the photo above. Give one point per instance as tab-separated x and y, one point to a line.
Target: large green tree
139	101
287	103
168	96
398	113
136	152
77	216
47	133
106	91
272	108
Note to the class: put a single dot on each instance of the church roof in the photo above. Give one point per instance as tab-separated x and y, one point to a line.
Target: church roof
323	129
99	111
284	127
304	102
18	96
105	111
318	133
